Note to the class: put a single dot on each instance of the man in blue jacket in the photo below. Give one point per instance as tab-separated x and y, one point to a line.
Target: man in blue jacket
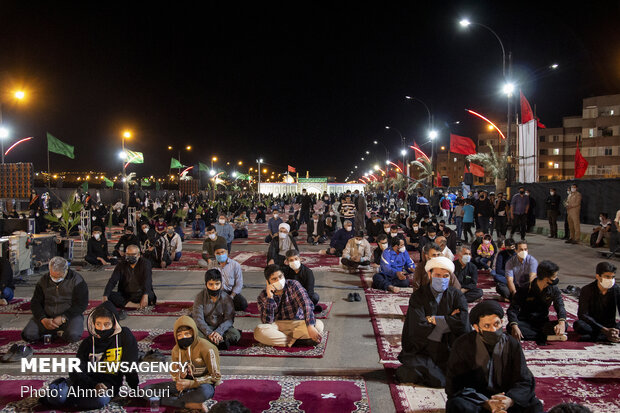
395	265
340	239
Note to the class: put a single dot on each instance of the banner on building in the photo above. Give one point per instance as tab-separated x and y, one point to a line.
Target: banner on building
528	152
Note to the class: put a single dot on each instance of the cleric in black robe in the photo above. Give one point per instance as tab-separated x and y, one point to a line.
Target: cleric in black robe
487	369
437	315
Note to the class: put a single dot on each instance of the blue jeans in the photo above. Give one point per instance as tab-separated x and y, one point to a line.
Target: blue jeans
178	255
483	223
382	282
62	399
8	293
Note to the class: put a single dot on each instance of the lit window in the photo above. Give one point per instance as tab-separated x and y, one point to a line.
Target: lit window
591	132
556	166
556	151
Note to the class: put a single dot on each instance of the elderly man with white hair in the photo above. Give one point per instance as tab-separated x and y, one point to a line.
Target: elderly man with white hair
437	315
278	246
57	304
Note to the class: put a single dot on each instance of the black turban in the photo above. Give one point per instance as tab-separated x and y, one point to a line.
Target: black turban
484	308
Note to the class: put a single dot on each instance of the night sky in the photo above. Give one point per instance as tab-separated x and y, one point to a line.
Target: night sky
307	84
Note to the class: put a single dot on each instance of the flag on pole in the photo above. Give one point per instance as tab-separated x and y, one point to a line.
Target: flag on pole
85	187
581	164
476	170
291	169
202	167
134	157
145	182
59	147
174	164
107	182
419	153
438	179
462	145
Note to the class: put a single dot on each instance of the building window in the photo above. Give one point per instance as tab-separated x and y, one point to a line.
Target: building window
544	152
608	132
480	142
541	138
556	138
556	151
591	133
556	166
608	151
454	159
611	112
541	165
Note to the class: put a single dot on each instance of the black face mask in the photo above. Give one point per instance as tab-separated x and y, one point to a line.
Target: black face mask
555	282
104	333
131	259
185	342
522	192
491	337
213	293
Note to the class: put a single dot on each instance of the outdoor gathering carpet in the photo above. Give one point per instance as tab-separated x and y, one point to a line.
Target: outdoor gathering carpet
162	308
291	394
564	371
163	340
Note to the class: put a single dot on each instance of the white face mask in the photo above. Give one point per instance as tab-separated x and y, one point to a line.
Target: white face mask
573	189
283	235
295	264
522	254
275	216
383	245
358	242
608	283
348	228
212	236
279	285
392	234
402	249
145	230
222	221
97	236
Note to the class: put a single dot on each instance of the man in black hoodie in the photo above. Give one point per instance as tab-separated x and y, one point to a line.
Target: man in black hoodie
127	239
108	342
57	304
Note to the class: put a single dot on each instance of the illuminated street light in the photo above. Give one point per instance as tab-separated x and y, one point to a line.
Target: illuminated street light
554	66
4	133
433	134
464	23
362	158
126	134
20	94
376	167
212	172
508	89
403	152
188	147
122	155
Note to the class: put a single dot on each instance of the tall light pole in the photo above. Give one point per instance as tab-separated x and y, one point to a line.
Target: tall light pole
432	134
125	135
402	141
259	161
508	86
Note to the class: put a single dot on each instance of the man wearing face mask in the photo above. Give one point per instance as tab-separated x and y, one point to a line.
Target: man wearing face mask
382	245
374	227
436	316
128	238
521	268
430	237
57	304
134	277
552	205
279	246
487	370
356	252
396	265
420	276
528	314
225	229
145	234
108	343
295	270
573	211
598	302
175	245
198	227
232	278
287	313
97	249
272	225
316	230
467	274
499	272
214	312
209	245
415	236
340	239
519	208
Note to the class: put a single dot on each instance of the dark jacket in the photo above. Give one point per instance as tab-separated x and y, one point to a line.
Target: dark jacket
125	241
502	258
97	249
6	274
553	202
305	277
320	231
596	309
466	274
68	297
131	281
340	238
532	305
274	248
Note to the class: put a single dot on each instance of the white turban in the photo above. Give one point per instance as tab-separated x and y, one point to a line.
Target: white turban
439	262
287	227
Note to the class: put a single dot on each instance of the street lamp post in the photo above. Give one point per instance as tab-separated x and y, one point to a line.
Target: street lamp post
403	152
259	161
432	134
125	135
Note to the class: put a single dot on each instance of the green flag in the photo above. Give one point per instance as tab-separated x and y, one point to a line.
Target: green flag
107	182
202	167
145	182
59	147
134	157
157	186
175	164
85	186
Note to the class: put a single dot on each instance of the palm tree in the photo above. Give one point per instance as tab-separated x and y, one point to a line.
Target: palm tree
425	173
494	166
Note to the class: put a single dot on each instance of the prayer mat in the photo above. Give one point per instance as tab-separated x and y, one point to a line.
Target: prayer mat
309	394
254	261
252	310
162	308
247	346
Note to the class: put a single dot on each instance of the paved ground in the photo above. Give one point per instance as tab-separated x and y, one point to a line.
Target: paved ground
351	349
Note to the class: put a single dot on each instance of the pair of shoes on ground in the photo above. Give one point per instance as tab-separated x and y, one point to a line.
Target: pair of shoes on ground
17	352
571	241
353	297
318	309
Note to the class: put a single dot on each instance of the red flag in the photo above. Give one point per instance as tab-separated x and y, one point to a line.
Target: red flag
466	170
526	110
581	165
462	145
400	166
540	124
476	169
418	152
438	179
291	169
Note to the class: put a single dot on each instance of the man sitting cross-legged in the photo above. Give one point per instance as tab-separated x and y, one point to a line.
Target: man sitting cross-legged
209	245
382	245
356	252
286	313
214	312
396	264
278	246
598	303
487	371
467	274
340	239
195	384
295	270
134	277
528	314
420	276
437	315
232	277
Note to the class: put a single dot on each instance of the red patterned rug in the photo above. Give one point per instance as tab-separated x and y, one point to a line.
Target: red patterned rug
294	394
252	310
162	308
163	340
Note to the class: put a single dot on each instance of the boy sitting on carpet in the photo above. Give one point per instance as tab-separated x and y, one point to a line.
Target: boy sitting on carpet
286	312
295	270
196	384
214	312
108	342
